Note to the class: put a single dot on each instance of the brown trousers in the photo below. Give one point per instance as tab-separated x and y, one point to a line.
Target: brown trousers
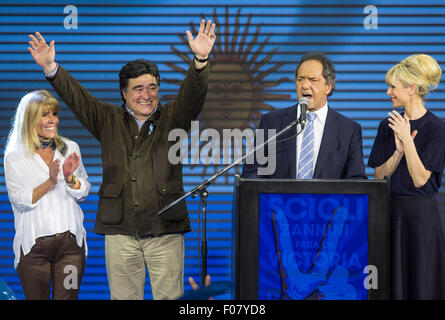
54	261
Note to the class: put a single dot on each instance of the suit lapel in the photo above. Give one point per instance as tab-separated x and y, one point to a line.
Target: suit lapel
328	141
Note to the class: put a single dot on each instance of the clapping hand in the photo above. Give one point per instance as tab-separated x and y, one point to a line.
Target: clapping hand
402	129
54	170
70	165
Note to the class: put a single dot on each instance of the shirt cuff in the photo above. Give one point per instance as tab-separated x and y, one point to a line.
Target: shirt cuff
81	193
53	73
27	201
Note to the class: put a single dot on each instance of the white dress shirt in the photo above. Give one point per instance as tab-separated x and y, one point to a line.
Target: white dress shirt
56	212
319	123
140	122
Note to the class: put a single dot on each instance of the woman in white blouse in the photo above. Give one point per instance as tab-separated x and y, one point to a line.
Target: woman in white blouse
45	179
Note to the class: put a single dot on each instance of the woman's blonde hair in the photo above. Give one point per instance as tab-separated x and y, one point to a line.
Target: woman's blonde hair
23	134
421	70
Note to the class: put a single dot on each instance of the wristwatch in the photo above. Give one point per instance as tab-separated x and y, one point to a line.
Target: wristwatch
73	181
201	60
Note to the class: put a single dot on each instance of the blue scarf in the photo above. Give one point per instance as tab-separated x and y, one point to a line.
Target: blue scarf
44	143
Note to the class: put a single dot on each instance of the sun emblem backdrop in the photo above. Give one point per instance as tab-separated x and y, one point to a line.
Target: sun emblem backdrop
241	78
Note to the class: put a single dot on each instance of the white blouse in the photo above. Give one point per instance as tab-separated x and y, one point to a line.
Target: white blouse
56	212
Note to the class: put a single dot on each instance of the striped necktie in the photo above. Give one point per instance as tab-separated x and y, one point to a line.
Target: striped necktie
306	164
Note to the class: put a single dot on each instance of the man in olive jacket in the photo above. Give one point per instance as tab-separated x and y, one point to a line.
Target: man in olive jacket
138	178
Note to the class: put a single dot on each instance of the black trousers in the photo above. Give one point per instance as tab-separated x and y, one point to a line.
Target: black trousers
55	262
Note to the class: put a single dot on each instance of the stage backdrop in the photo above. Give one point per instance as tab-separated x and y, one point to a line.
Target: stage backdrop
252	71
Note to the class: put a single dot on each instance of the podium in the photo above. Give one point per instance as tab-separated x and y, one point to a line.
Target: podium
310	239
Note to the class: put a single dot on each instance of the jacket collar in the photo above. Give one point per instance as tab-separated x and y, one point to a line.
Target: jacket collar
154	117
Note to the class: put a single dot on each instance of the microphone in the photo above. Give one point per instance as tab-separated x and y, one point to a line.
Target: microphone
303	102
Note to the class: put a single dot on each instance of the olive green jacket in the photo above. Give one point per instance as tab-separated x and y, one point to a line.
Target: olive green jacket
138	178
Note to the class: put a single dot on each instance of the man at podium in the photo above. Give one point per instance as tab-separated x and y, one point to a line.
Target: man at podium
328	146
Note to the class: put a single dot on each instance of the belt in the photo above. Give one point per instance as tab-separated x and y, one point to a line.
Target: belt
146	236
149	236
62	235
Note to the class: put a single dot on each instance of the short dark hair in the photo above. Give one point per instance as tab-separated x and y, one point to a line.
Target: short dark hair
137	68
328	67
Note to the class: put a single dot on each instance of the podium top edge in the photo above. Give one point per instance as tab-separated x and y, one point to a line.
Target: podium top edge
315	180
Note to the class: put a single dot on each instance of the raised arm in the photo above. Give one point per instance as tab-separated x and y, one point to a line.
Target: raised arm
89	110
192	93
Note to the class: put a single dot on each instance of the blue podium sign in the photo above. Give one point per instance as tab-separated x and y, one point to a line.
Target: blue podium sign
313	246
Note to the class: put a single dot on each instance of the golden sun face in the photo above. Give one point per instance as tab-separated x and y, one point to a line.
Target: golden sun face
229	97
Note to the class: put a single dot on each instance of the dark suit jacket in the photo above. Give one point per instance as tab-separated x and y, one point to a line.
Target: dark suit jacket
340	155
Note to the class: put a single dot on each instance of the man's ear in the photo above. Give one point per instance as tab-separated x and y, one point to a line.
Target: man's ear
124	94
328	89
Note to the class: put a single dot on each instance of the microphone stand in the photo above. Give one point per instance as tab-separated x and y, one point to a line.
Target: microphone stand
204	194
202	191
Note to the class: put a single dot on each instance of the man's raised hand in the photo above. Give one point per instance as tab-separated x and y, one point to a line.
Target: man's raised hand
202	45
43	54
